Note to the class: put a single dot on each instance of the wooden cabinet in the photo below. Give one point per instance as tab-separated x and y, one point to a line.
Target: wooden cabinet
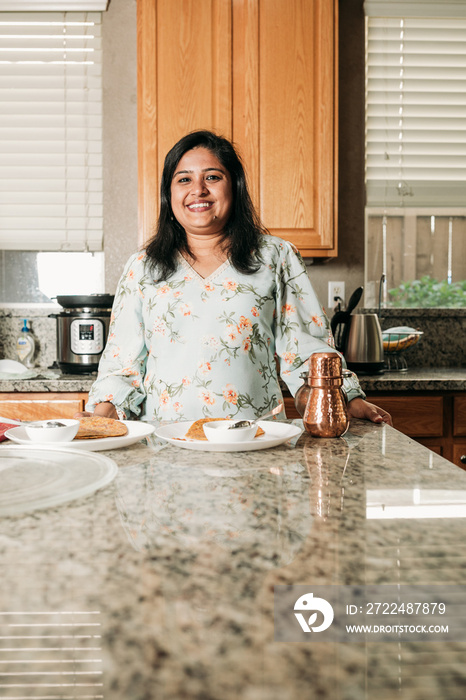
260	72
459	416
41	406
436	421
459	454
413	416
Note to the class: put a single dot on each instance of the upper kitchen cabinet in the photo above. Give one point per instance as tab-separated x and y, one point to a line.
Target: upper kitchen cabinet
262	73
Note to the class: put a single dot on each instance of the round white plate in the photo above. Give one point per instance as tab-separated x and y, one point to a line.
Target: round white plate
276	433
38	477
12	367
137	430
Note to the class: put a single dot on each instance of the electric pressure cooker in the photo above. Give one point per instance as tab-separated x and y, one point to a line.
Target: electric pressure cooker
82	330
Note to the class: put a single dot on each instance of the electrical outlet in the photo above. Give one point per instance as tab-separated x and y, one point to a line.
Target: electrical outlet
335	289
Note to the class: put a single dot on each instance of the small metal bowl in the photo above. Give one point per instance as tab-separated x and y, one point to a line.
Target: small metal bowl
218	431
45	431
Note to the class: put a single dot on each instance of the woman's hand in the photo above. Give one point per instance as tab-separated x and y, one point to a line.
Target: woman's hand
359	408
105	409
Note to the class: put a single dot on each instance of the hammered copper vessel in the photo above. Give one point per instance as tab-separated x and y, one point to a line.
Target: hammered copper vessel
325	414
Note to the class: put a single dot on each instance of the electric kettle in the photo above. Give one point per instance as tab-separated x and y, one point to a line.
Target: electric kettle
359	338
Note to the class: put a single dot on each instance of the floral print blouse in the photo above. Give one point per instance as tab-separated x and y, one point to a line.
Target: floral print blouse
192	347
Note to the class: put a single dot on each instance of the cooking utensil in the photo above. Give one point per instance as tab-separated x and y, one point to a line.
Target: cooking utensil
249	423
340	321
81	301
82	330
354	299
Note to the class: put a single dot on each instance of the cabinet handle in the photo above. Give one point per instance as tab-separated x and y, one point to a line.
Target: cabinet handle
463	459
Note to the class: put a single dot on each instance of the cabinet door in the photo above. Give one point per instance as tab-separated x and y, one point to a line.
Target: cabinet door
414	416
290	408
459	454
184	83
41	406
262	72
459	415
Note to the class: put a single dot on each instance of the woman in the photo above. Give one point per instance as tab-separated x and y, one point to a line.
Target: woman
201	314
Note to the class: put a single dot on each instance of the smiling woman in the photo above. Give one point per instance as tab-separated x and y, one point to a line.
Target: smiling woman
201	199
201	315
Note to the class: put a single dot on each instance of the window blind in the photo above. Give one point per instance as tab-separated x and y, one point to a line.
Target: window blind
415	111
50	131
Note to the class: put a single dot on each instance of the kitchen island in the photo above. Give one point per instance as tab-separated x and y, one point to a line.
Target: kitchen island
161	585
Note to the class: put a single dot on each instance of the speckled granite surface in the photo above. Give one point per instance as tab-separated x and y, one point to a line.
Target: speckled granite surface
417	379
420	379
64	382
160	586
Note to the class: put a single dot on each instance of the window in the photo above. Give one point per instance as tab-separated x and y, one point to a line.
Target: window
416	152
50	132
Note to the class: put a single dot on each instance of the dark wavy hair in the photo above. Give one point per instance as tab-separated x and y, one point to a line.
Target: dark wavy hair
243	229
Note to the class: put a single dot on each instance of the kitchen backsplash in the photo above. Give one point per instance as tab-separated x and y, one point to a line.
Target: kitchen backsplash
442	345
444	340
43	327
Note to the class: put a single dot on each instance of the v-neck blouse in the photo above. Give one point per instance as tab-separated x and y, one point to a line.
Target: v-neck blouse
192	347
189	268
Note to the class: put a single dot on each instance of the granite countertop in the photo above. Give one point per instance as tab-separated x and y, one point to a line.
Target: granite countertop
161	585
416	379
47	380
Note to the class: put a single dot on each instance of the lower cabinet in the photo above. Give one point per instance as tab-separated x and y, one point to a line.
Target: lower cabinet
41	406
437	421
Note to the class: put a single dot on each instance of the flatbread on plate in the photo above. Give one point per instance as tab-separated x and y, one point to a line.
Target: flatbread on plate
93	427
196	430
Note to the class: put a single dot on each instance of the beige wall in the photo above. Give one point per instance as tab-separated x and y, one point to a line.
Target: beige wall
349	265
120	147
120	137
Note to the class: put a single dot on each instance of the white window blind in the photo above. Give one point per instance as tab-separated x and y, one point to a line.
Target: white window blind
415	110
50	131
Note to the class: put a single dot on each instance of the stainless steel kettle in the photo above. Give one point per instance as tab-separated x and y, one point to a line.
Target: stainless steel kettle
359	338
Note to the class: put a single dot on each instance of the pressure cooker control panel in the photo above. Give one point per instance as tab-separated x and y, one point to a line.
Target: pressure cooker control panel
87	336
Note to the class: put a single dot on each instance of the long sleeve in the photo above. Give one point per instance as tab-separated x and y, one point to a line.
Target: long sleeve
121	372
302	326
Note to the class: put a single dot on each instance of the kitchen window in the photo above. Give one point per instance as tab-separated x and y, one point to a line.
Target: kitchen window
416	153
51	196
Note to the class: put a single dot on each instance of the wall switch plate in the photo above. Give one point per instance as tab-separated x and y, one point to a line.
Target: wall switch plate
335	289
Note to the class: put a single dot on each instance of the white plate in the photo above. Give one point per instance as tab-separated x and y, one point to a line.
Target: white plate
137	430
12	367
276	433
38	477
